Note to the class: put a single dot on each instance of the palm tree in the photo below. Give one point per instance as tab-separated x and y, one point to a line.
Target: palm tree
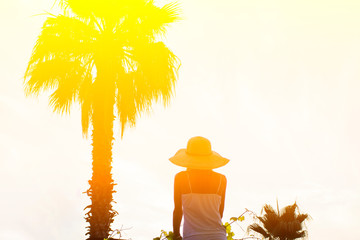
108	56
286	224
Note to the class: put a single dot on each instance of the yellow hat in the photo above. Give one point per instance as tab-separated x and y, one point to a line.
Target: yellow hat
198	155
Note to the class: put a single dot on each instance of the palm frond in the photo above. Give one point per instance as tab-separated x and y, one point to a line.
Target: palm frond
288	213
148	21
61	99
63	36
154	19
270	219
44	75
171	12
280	230
126	100
82	8
302	217
150	75
47	74
101	9
85	97
59	60
68	87
156	72
301	234
268	209
257	228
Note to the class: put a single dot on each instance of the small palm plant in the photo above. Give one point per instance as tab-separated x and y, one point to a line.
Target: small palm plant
287	224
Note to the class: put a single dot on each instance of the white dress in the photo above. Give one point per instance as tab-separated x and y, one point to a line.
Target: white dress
202	220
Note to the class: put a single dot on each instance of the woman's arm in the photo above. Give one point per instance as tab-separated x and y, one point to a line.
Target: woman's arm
223	191
177	214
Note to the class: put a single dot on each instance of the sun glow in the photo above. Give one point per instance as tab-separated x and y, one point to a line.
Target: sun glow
273	84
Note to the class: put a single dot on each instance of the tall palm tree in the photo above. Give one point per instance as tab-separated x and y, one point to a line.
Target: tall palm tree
286	224
108	56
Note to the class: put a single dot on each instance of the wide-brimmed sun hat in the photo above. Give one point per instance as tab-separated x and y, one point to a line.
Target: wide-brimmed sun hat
198	155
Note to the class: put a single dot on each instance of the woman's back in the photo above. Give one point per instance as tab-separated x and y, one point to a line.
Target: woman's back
202	181
201	195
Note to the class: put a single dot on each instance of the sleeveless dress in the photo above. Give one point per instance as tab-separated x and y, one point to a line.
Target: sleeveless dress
202	220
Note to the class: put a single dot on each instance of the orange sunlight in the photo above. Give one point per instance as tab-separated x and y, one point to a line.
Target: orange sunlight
96	96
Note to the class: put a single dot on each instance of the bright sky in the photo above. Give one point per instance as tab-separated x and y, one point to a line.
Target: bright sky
273	84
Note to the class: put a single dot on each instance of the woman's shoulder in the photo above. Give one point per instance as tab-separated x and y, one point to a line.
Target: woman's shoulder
222	176
180	174
183	174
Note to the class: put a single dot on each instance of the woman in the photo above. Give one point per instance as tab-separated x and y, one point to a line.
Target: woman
199	192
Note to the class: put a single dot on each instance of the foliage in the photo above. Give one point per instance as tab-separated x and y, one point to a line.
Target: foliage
74	47
117	232
229	233
286	224
227	225
165	236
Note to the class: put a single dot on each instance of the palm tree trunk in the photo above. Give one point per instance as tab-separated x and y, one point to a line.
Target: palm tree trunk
100	215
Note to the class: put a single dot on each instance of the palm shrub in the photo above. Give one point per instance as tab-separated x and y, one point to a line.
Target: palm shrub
287	224
108	56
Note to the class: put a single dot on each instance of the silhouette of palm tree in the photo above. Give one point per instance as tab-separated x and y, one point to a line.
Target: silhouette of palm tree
105	55
286	224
